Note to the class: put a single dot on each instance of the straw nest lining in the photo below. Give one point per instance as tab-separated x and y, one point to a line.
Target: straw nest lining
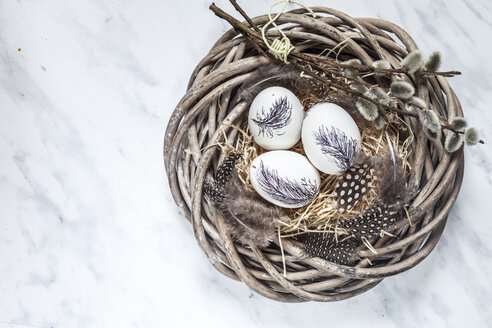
204	117
323	208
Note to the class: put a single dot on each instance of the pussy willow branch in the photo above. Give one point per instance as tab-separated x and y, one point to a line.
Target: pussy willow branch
241	27
306	62
370	69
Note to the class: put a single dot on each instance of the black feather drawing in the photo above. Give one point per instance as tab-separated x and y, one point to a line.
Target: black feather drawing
337	144
283	189
277	117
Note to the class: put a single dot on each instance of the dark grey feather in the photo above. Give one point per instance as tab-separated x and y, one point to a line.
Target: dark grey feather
392	184
248	218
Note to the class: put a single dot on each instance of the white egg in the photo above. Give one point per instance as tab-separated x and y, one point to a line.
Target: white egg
275	118
284	178
330	138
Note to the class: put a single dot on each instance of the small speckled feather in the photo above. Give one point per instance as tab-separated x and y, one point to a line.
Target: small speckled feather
325	245
372	222
214	190
353	187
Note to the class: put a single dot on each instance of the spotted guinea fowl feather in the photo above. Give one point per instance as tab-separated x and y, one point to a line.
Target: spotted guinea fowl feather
225	169
353	187
214	190
382	216
326	246
368	225
375	220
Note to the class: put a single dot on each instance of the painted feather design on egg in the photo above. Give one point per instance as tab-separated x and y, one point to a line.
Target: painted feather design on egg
326	246
353	187
291	192
337	145
277	117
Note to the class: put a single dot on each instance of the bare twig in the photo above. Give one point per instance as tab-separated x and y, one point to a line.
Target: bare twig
246	17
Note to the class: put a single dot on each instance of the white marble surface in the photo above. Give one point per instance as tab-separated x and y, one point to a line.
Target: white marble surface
89	234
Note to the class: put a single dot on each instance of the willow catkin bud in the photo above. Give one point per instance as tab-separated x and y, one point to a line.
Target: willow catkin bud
472	137
350	71
359	87
411	108
453	142
430	120
402	89
415	104
419	102
434	62
459	123
381	64
413	61
379	122
380	95
367	109
431	134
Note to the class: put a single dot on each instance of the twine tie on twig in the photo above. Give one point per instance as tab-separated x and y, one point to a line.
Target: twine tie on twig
280	48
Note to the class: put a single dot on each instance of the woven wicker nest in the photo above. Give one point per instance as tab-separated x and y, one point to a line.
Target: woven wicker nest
207	111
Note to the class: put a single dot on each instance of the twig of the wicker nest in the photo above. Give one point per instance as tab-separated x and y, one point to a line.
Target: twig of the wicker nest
255	38
257	41
246	17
